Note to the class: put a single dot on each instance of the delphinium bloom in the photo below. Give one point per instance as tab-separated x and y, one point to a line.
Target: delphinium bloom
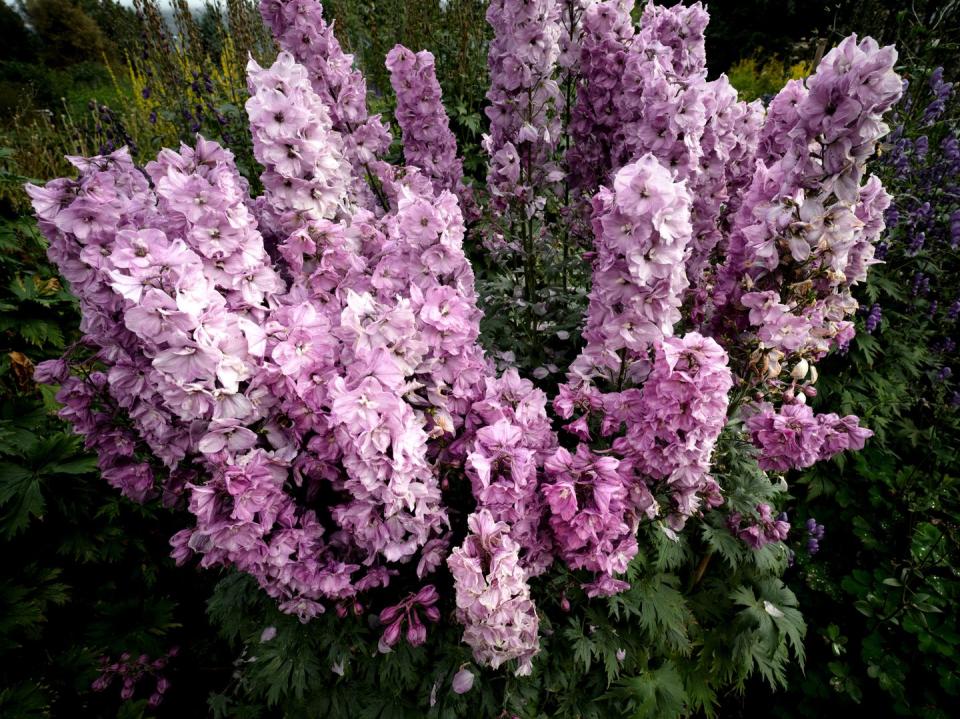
806	216
644	92
493	597
132	672
606	32
593	516
524	126
504	474
673	426
305	178
428	142
696	128
641	229
301	30
509	439
794	437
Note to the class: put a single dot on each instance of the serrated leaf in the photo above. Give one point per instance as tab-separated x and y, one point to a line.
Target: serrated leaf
20	498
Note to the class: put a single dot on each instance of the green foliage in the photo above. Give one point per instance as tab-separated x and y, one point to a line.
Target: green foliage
757	76
65	33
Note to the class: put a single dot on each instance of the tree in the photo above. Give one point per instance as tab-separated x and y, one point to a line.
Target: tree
65	33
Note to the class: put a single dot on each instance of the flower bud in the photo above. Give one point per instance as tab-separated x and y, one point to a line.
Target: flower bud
392	635
390	614
463	681
800	369
127	691
427	595
416	632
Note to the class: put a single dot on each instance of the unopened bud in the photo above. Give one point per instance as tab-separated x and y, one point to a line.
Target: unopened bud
800	369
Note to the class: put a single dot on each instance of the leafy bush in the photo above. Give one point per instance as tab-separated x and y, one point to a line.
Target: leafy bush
327	416
756	76
703	615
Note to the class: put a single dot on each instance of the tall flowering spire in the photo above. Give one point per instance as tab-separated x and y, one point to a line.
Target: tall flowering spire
428	142
303	178
805	214
805	232
642	229
607	31
524	97
302	31
646	92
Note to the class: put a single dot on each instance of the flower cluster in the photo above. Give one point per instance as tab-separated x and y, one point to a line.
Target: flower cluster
524	97
334	383
805	215
815	533
593	516
794	437
674	424
646	92
428	142
642	228
304	176
302	31
761	530
503	472
324	410
131	671
493	597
